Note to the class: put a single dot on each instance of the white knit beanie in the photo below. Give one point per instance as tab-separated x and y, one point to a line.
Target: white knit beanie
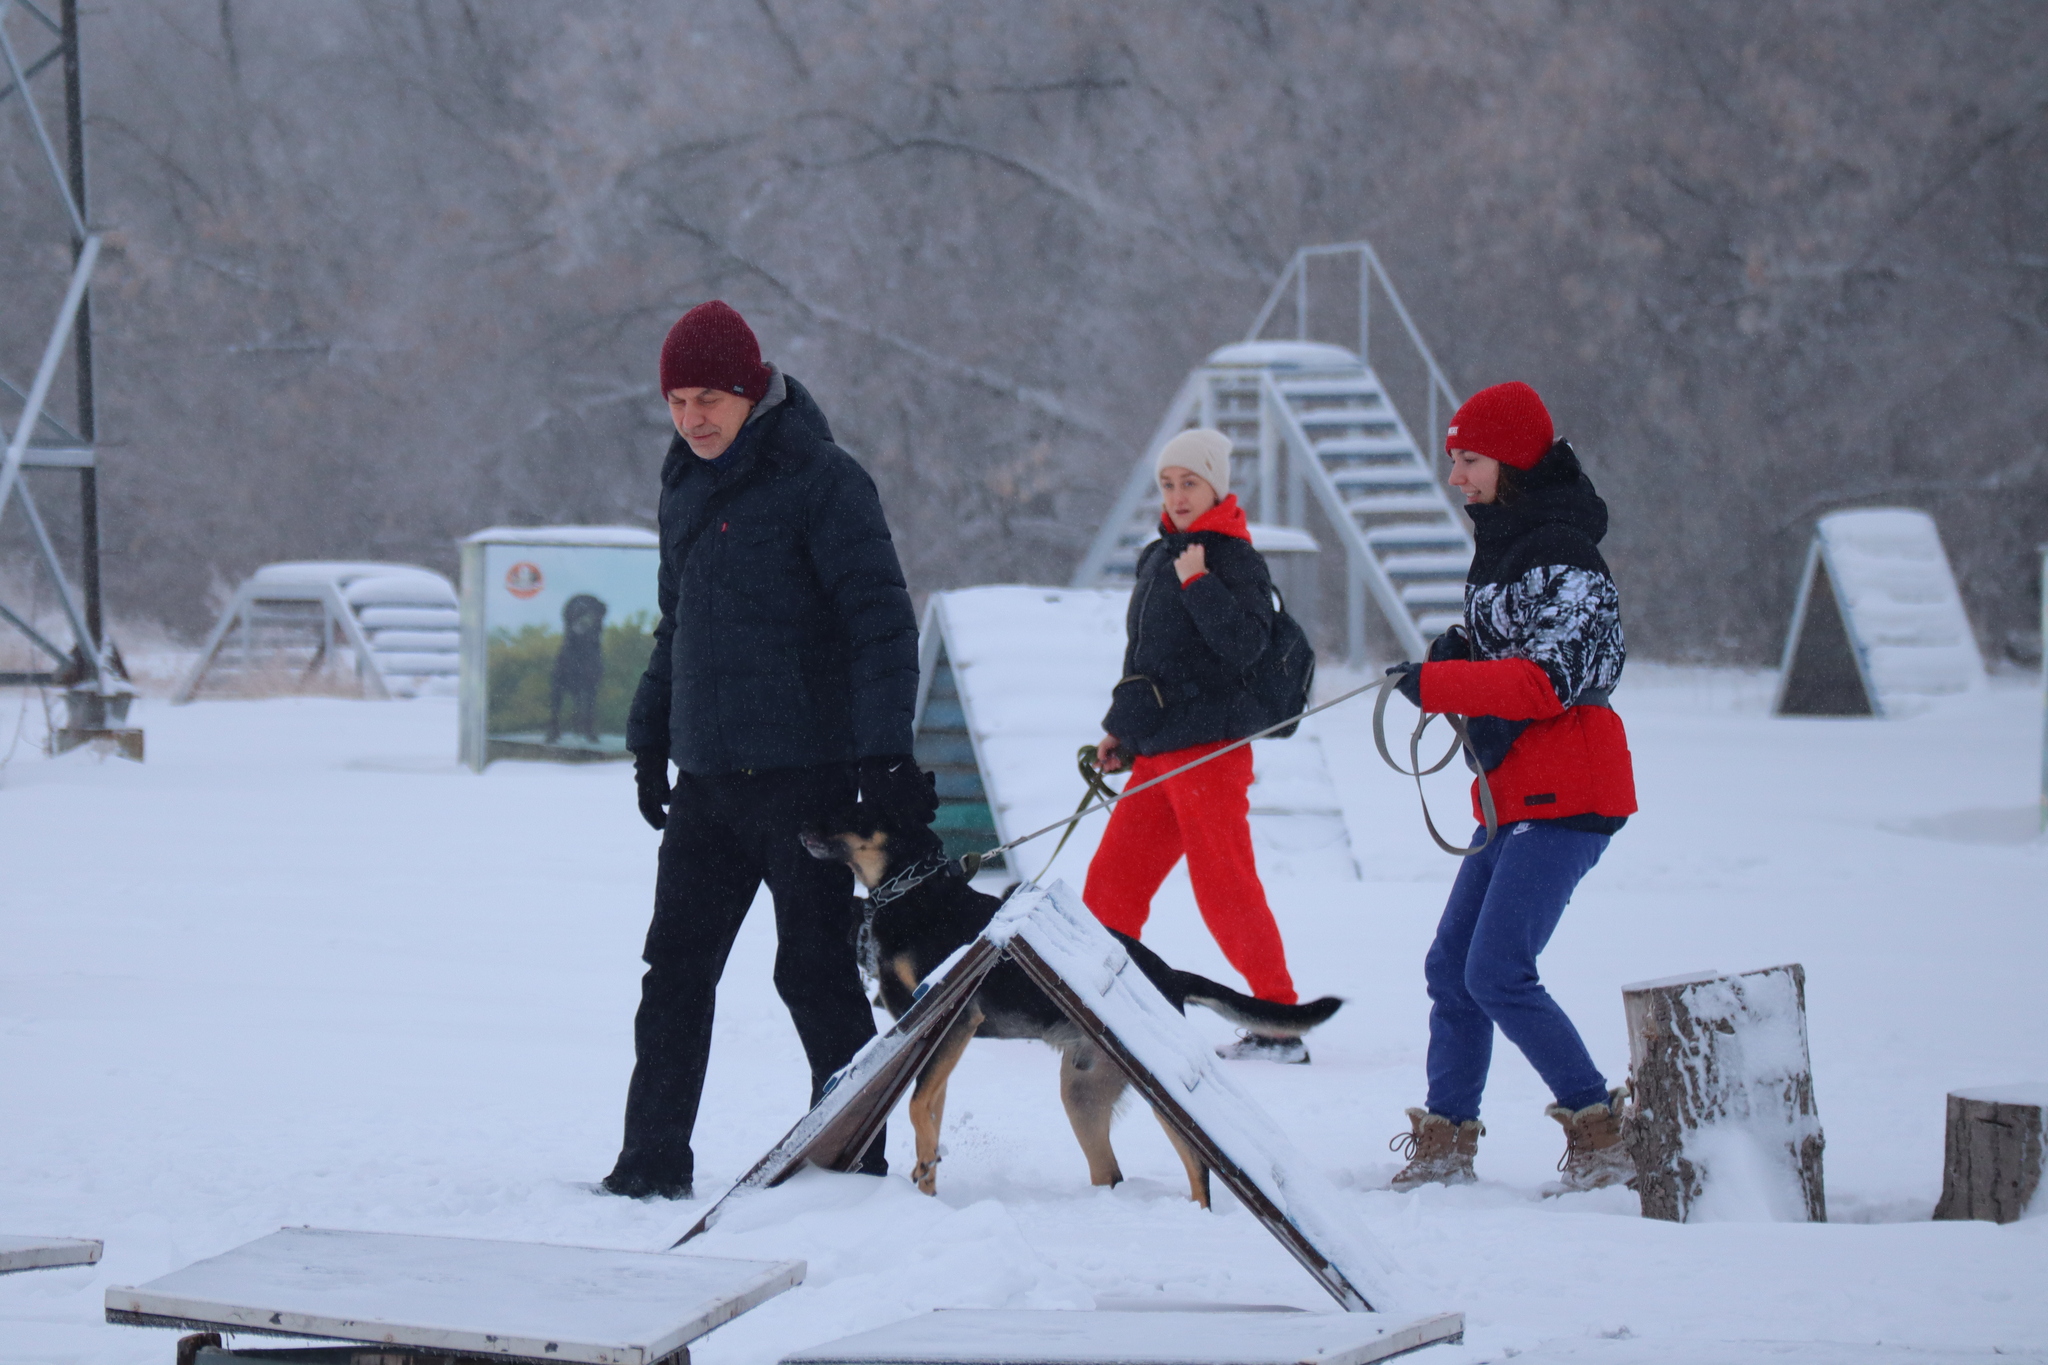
1203	451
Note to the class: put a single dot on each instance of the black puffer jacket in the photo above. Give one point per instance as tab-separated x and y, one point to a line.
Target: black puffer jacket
1193	643
787	638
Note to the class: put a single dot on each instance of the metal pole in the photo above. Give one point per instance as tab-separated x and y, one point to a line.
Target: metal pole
1364	309
1301	298
88	422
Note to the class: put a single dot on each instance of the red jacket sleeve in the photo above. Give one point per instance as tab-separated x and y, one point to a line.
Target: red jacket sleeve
1513	689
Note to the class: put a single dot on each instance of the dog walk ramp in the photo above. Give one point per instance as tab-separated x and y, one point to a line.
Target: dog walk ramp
459	1296
398	627
45	1253
1313	423
1879	627
1013	680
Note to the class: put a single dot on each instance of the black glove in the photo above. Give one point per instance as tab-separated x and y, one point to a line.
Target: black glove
893	784
1410	685
1452	644
650	774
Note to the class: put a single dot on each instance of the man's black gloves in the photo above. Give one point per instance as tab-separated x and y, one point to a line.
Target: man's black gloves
895	786
1453	644
650	774
1410	685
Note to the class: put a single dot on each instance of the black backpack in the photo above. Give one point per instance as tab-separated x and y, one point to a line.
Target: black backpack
1284	673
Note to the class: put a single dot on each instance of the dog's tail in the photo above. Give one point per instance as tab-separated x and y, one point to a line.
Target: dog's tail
1247	1012
1260	1016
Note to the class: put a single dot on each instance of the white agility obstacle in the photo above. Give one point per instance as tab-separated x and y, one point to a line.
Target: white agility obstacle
1049	933
1024	1337
400	625
1879	627
1012	680
459	1296
46	1253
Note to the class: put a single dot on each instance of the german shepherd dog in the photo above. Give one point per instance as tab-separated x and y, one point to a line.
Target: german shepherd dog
913	933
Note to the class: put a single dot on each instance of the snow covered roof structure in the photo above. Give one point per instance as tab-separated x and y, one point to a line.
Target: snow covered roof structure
1879	628
401	625
630	537
1013	680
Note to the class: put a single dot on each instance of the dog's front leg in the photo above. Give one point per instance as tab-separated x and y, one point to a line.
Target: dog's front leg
928	1099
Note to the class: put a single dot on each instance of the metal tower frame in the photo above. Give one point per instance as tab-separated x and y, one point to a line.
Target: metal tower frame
1404	541
97	691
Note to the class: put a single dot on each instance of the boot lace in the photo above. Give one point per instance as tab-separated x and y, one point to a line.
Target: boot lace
1403	1145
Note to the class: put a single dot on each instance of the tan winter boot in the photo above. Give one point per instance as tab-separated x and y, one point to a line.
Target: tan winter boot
1594	1156
1439	1152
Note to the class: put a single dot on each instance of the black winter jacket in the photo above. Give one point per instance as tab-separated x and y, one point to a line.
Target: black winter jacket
1193	643
787	638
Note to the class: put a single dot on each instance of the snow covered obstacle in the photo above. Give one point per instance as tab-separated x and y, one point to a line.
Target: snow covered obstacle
1050	934
1879	627
45	1253
981	1336
1991	1168
1725	1125
459	1296
1013	680
399	623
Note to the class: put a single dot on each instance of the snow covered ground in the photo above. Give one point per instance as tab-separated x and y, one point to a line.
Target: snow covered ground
300	968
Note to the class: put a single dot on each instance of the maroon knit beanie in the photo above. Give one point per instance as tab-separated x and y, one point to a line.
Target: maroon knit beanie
1507	422
712	347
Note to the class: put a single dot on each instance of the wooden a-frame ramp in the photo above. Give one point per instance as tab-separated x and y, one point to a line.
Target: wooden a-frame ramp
1050	934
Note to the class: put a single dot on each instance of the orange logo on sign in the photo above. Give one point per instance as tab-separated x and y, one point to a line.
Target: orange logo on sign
523	580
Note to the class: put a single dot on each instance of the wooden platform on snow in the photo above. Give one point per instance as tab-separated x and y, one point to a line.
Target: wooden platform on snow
45	1253
1025	1337
508	1300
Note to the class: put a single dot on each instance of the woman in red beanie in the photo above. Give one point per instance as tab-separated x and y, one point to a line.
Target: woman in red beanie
1532	666
1201	613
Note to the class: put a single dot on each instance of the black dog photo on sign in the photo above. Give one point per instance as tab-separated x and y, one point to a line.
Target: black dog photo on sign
579	667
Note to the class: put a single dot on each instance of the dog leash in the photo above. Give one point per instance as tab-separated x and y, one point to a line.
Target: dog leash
1460	743
972	863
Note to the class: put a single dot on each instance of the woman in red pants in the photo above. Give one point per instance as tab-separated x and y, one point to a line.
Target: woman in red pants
1200	615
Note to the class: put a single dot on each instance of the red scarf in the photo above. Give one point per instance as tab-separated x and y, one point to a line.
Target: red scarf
1225	518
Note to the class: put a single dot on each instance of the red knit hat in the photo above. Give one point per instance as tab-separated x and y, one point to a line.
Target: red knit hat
712	347
1507	422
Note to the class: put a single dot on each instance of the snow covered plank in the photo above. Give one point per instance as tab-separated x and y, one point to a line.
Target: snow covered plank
1879	628
1725	1124
1052	935
1992	1163
45	1253
517	1300
858	1098
1032	670
1025	1337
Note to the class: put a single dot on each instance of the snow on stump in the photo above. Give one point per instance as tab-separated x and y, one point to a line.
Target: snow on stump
1993	1161
1725	1126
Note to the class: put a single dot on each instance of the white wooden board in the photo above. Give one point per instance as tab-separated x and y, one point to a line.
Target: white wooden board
1177	1070
521	1300
42	1253
1025	1337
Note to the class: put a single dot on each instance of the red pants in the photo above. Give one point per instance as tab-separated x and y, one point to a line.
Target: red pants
1205	815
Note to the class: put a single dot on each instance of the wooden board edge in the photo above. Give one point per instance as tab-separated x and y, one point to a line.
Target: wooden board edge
280	1324
55	1256
1435	1330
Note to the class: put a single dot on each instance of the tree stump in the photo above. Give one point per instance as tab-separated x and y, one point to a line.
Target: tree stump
1724	1125
1993	1162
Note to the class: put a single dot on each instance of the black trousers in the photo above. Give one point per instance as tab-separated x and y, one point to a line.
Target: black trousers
725	836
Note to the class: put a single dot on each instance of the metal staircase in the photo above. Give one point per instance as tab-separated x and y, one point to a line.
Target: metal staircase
1311	419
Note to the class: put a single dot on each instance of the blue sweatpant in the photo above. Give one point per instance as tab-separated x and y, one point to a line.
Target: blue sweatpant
1482	968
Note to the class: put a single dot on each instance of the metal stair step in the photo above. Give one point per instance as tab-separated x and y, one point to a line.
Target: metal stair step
1330	447
1382	476
1435	623
1394	504
1450	564
1446	534
1440	594
1358	390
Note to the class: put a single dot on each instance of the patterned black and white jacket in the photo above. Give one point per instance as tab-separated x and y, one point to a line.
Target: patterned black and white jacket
1539	593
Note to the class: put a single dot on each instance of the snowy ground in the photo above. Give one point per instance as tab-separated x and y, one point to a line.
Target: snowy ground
300	968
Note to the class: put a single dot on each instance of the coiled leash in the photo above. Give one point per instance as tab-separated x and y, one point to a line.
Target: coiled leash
1460	744
1100	796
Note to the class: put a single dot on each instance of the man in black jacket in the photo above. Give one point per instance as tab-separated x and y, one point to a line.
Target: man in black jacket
782	680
